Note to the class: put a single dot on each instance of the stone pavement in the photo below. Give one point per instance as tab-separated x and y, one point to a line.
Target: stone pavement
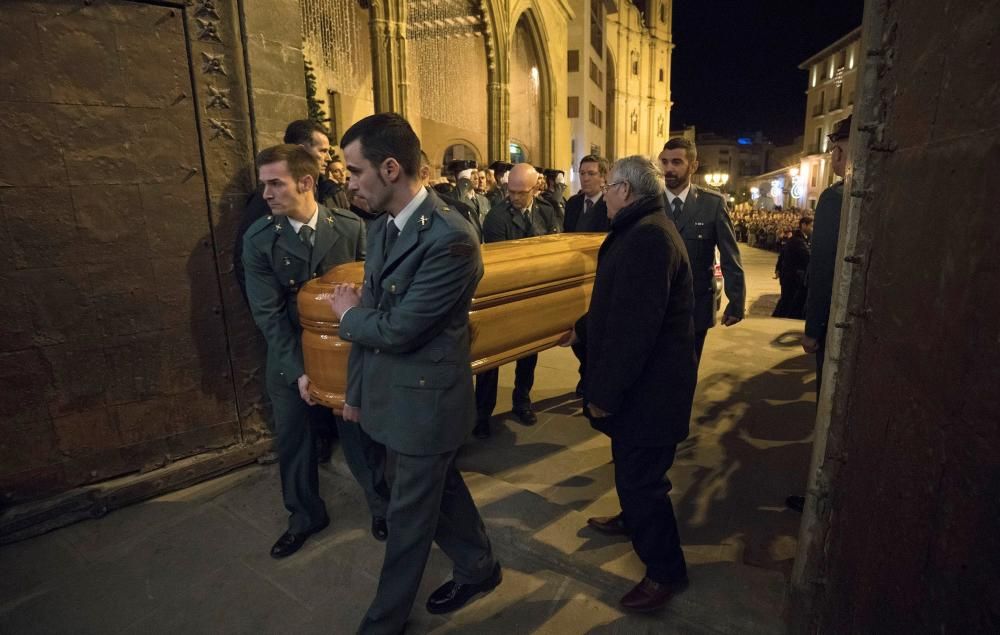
197	560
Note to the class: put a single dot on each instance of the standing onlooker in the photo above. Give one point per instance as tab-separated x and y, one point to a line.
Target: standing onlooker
555	185
522	215
703	221
793	262
826	234
409	383
641	371
824	250
585	210
332	191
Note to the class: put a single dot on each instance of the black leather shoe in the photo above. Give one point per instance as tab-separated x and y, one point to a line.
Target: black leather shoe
380	528
650	596
796	503
609	525
452	596
526	415
482	430
289	543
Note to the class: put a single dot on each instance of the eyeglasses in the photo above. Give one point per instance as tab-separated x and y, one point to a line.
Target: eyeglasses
608	186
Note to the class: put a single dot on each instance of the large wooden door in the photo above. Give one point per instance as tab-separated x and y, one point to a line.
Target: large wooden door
113	346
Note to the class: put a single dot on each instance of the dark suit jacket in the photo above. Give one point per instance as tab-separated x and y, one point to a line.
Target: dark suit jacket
276	267
638	331
826	233
409	363
504	222
577	220
704	224
794	260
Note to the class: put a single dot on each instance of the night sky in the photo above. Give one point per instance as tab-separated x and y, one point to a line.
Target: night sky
735	67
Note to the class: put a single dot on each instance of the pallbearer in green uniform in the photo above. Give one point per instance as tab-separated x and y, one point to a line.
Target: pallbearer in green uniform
298	241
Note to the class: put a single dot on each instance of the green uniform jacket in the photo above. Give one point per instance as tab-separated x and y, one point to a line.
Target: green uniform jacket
276	267
705	225
409	367
823	260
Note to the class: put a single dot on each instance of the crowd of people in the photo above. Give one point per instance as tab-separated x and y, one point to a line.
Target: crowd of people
411	399
765	229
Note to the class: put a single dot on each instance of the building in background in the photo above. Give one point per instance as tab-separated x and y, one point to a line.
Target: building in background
539	82
831	91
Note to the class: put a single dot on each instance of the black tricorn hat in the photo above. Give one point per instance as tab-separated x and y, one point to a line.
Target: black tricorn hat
501	166
458	165
551	173
841	129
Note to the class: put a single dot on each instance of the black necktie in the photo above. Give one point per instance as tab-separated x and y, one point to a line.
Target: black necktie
588	206
678	206
391	234
305	235
529	231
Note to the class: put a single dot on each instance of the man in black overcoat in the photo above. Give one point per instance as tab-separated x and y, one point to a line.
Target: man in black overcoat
793	262
641	371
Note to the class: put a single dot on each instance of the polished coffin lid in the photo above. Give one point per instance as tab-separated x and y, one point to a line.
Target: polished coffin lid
532	292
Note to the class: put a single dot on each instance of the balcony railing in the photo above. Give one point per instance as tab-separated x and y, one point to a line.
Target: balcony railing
817	110
836	104
813	149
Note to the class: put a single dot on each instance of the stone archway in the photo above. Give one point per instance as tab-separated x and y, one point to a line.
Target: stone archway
610	108
530	84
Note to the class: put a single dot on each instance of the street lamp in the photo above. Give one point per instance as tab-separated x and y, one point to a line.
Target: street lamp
716	179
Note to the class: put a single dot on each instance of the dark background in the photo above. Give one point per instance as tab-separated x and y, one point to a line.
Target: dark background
735	67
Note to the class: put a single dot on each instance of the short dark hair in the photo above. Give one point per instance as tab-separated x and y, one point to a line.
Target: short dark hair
300	162
602	163
690	149
805	220
383	136
301	131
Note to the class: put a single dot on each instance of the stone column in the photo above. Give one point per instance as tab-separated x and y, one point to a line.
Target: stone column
498	120
388	37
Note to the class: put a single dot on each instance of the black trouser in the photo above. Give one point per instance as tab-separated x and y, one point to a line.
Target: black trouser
820	358
699	344
430	503
486	387
295	424
642	484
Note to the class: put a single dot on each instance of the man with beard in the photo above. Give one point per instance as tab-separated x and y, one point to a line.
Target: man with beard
640	379
409	383
298	241
703	222
585	210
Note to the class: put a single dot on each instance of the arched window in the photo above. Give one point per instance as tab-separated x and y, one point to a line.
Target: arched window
459	152
517	153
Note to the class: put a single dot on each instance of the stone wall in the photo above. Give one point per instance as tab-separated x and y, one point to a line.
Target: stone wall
128	142
902	533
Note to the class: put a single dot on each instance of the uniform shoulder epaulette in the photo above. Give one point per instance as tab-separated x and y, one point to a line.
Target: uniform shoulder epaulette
260	224
344	213
714	193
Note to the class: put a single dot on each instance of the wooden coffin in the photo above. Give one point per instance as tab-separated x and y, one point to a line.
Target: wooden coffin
532	292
